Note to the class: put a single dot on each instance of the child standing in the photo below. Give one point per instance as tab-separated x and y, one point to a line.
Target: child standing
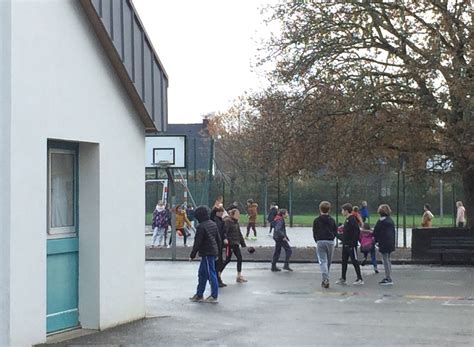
426	219
367	245
159	224
271	215
233	242
252	213
350	238
205	242
364	211
281	241
384	234
324	232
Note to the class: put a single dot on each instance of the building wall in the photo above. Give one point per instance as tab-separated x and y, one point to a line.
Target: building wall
5	106
65	88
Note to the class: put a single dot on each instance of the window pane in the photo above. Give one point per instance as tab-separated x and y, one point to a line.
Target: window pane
62	190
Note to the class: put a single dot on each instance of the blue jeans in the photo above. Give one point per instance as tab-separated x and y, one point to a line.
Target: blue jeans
324	251
207	272
372	256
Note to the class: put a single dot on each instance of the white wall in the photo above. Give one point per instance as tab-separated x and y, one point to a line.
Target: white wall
5	105
65	88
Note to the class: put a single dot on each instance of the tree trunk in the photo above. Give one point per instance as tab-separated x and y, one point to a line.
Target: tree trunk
468	186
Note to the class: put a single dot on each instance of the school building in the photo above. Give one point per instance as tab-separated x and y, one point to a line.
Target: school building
80	86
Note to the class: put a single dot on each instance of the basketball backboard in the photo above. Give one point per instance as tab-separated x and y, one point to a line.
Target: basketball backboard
165	151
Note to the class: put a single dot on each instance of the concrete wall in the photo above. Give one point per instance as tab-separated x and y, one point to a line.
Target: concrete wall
65	88
5	116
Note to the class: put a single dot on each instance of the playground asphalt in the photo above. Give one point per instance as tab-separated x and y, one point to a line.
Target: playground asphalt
426	306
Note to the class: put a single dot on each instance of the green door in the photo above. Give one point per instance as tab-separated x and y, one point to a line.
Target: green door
62	237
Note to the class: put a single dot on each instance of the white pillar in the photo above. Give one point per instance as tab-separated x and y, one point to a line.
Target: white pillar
5	144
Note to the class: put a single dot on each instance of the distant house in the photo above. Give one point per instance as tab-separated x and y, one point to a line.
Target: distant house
80	85
198	143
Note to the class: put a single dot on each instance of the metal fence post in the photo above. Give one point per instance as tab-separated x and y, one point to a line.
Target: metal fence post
290	202
211	162
171	192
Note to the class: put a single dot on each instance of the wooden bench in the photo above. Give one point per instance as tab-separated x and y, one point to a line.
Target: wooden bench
451	245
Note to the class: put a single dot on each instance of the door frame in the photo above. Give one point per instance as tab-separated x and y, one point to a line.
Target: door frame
63	239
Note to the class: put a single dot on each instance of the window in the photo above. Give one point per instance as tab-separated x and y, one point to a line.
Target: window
62	201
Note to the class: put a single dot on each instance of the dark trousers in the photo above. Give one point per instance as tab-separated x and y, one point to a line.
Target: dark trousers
251	226
219	263
350	252
276	253
207	272
228	256
185	237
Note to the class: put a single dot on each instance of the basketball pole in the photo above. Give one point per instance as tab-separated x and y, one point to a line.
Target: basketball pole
171	192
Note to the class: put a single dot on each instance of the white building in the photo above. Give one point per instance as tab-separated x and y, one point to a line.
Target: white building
80	85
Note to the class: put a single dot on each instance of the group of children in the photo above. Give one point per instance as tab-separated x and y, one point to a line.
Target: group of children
216	243
161	222
351	233
218	237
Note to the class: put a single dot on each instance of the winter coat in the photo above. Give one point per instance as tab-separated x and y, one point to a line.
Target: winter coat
366	240
324	228
351	231
252	212
384	234
271	215
181	218
232	231
364	212
220	228
206	240
280	229
160	218
426	219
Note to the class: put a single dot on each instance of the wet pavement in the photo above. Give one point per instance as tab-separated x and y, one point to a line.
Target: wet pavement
427	305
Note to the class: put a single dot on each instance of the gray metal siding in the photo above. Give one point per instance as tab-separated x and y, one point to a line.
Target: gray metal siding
137	55
158	100
147	74
98	6
128	39
107	15
165	103
117	24
138	58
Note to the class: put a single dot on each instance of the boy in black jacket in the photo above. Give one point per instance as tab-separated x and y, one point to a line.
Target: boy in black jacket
324	232
350	237
205	242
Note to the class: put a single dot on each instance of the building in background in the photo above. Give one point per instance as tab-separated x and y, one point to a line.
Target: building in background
80	85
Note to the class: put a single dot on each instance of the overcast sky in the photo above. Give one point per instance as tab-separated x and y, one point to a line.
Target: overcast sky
207	48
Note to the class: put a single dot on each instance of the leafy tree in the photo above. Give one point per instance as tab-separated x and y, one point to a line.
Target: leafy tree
385	77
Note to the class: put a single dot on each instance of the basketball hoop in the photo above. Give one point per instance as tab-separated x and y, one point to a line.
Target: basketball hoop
162	163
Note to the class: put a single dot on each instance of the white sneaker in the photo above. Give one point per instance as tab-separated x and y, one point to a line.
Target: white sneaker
358	282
